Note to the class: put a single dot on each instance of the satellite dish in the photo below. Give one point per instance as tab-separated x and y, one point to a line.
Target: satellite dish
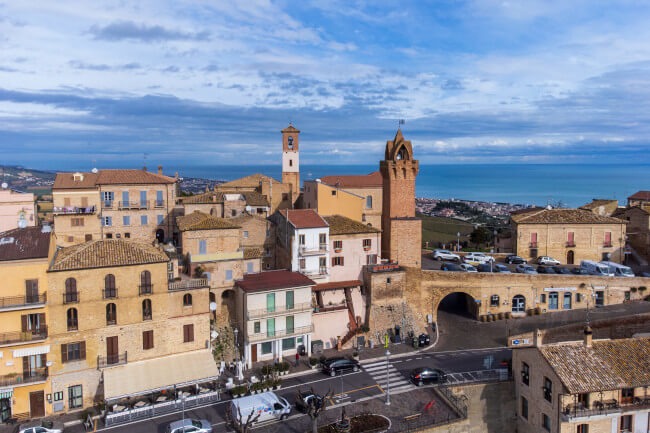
94	170
22	224
5	185
213	306
214	334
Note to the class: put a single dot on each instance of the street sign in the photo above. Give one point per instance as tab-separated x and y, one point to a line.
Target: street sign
386	341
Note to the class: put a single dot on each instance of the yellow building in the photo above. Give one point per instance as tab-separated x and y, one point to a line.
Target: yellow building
17	209
115	315
25	352
277	194
568	235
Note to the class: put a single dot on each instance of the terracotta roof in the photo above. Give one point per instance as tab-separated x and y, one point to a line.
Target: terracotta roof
109	177
201	221
563	216
272	280
303	218
27	243
640	195
606	365
106	253
336	285
597	203
252	198
340	225
371	180
253	253
252	181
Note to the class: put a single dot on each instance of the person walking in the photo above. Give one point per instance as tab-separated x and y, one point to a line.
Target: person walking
297	358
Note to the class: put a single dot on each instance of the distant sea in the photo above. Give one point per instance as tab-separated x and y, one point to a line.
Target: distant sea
536	184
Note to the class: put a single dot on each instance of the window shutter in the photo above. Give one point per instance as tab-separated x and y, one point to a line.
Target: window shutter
41	321
43	360
82	350
23	322
25	364
64	353
342	261
191	329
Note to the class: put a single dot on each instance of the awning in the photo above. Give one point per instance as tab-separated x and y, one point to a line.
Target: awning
6	392
31	351
160	373
336	285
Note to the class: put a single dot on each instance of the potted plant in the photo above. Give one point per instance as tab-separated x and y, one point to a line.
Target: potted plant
277	383
313	362
267	370
238	391
284	368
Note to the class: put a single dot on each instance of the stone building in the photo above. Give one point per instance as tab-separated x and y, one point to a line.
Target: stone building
583	386
25	349
114	314
602	207
114	204
568	235
639	198
227	204
17	209
638	228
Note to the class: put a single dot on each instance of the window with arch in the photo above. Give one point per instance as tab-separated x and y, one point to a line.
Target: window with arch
518	304
110	291
494	301
146	310
111	314
187	300
402	154
71	295
73	322
145	283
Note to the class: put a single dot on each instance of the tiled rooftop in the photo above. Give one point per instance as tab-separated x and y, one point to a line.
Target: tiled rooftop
252	198
334	285
200	221
27	243
371	180
253	252
303	218
106	253
252	181
273	280
109	177
598	202
340	225
562	216
640	195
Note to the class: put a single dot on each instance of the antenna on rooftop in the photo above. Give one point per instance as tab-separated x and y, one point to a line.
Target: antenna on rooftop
400	122
144	161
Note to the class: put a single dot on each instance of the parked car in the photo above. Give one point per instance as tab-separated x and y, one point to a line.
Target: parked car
561	270
451	267
467	267
501	269
422	375
445	255
38	429
545	270
424	340
304	400
618	270
525	269
190	425
546	260
484	267
579	271
595	268
476	258
515	260
332	366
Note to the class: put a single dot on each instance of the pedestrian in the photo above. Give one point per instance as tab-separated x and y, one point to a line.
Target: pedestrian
297	358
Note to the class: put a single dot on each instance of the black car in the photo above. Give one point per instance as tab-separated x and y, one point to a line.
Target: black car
561	270
545	270
579	271
332	366
424	340
304	400
423	375
451	267
515	260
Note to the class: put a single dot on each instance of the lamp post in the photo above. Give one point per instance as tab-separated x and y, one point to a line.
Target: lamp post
236	331
183	403
387	377
457	241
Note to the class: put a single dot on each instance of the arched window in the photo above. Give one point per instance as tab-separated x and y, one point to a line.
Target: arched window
71	294
73	323
146	309
110	291
518	304
187	300
111	314
494	301
145	283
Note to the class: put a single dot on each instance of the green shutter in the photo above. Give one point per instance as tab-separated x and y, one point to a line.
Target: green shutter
290	327
270	302
270	327
289	301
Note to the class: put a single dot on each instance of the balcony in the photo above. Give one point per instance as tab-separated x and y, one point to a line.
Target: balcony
532	245
159	204
71	298
23	336
145	289
22	302
315	274
111	360
137	205
252	338
607	245
313	251
107	204
74	210
28	377
570	244
109	293
188	284
280	309
605	407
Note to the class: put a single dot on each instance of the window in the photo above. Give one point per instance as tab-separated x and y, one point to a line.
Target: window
70	238
160	219
322	265
367	243
288	343
75	397
159	199
369	202
31	291
127	235
582	428
228	274
188	333
337	261
626	423
107	197
245	234
143	220
58	396
548	389
187	300
525	373
143	199
270	302
270	327
570	239
301	239
109	235
285	196
110	291
524	408
371	259
333	192
291	163
627	395
322	240
145	283
77	222
608	239
289	300
302	264
88	238
233	212
533	240
290	320
111	314
107	221
147	340
73	323
494	301
256	327
250	267
73	351
578	297
518	304
267	348
126	220
552	300
71	294
546	422
203	246
338	246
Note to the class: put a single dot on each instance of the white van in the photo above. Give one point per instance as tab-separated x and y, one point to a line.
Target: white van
595	268
618	269
268	405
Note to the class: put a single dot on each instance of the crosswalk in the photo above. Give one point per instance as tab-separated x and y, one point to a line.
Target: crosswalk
396	381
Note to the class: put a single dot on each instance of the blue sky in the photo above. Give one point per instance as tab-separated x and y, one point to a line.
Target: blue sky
102	83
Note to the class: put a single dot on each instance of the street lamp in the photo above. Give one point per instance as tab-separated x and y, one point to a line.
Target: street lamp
458	241
387	377
236	331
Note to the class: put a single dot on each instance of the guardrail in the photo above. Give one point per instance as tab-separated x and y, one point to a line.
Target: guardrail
24	336
280	333
194	283
36	375
111	360
74	210
280	309
133	205
22	301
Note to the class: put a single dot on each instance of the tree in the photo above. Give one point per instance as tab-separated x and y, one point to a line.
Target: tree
480	235
315	406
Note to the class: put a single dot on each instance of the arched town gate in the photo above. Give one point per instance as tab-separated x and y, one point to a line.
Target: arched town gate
458	301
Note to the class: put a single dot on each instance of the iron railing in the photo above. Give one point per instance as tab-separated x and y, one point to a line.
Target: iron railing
71	298
27	377
24	336
109	293
193	283
133	204
145	289
280	309
280	333
607	407
110	360
73	210
22	301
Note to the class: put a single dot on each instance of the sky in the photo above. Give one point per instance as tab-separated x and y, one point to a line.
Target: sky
121	83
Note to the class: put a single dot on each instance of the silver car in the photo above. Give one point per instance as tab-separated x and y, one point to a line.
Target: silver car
189	425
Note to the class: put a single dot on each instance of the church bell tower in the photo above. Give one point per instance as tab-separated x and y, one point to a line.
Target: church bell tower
291	161
401	238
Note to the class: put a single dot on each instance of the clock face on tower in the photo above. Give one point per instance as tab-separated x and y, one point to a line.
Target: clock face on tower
290	142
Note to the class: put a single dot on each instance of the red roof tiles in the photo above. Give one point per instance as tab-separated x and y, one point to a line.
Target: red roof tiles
27	243
303	218
640	195
273	280
109	177
371	180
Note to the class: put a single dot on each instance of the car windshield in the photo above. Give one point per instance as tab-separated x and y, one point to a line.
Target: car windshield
196	423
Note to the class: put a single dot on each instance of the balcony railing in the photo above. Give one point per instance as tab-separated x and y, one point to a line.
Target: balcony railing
24	336
607	244
532	245
71	298
280	333
321	273
22	301
605	407
159	204
109	293
313	251
280	309
193	283
133	205
107	204
145	289
110	360
27	377
74	210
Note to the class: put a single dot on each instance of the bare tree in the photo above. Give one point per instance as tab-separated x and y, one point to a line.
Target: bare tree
239	423
315	406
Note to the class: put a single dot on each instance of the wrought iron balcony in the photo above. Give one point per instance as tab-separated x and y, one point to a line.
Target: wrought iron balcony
109	293
252	338
145	289
133	205
22	302
27	377
278	310
111	360
71	298
24	336
74	210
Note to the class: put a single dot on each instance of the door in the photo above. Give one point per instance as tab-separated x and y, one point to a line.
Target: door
37	404
125	199
143	199
569	257
112	350
270	327
518	304
552	301
5	409
254	352
600	298
31	291
567	301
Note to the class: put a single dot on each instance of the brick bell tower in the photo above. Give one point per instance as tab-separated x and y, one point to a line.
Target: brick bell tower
291	161
401	237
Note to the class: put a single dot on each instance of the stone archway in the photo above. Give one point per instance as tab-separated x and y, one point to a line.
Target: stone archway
459	303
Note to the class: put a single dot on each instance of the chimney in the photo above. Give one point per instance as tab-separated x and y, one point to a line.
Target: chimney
160	169
588	336
537	338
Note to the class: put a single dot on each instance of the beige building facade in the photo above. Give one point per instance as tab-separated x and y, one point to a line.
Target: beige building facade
330	200
17	209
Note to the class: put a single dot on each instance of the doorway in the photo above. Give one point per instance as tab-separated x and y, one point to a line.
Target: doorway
37	404
112	350
5	408
518	304
570	257
253	352
566	305
160	235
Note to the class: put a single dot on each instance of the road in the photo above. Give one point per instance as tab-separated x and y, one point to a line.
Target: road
369	382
